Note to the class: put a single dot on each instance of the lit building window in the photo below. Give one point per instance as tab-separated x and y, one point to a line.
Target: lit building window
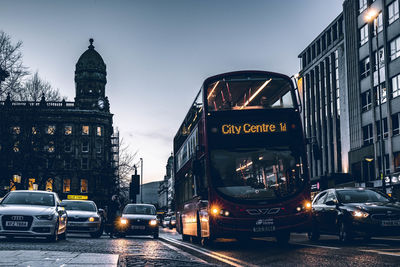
49	185
15	181
393	11
383	93
380	23
85	130
51	147
84	185
364	34
31	184
66	185
99	131
85	146
395	48
34	130
51	129
16	146
396	86
16	130
363	4
84	163
68	130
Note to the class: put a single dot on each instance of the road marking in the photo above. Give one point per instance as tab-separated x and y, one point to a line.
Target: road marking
382	252
379	245
183	252
218	256
386	238
317	246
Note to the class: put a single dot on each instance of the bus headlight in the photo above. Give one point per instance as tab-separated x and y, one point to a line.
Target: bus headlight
153	222
215	211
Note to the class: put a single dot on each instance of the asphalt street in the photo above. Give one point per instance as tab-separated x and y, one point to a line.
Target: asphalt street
169	250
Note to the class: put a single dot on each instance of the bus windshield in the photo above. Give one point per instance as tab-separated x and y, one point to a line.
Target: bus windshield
242	92
257	174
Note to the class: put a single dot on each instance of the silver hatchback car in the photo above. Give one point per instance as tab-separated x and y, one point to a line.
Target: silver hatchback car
32	213
83	217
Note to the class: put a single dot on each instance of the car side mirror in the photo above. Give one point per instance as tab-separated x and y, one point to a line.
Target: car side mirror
331	203
62	205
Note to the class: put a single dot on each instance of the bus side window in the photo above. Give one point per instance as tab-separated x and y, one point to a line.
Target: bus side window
201	179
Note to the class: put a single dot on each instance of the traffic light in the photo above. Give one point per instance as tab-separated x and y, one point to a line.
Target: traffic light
134	186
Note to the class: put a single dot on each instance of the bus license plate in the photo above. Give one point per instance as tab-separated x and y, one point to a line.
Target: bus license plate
138	227
265	228
390	223
16	224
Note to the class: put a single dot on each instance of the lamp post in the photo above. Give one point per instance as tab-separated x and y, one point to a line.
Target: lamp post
371	15
141	180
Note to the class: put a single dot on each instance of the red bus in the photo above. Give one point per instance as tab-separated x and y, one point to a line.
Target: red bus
240	163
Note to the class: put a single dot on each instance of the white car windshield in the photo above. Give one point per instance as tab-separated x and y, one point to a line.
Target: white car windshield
28	198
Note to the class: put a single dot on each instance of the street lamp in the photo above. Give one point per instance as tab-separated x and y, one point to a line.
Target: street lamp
371	15
141	180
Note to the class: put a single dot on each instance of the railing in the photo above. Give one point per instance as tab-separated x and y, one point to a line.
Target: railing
52	104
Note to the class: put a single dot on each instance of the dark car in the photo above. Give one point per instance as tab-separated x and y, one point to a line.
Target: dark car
138	219
83	217
352	212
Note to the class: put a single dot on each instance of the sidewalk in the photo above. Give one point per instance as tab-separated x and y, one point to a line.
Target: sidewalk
40	258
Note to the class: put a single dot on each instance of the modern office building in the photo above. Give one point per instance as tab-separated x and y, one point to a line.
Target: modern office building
324	97
61	146
364	86
374	93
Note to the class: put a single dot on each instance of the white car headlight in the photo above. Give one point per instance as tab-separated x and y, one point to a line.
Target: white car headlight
360	214
48	217
153	222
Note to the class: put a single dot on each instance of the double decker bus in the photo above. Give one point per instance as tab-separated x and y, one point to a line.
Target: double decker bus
240	162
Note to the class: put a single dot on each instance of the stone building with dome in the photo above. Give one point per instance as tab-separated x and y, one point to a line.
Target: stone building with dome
65	147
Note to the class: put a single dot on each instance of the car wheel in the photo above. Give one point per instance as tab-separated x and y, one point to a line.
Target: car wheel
120	235
185	237
97	234
54	236
345	234
313	235
283	237
63	236
155	235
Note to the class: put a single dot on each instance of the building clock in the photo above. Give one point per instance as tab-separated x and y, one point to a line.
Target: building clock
100	103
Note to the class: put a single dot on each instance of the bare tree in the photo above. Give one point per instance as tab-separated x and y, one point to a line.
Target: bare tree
34	87
126	164
11	61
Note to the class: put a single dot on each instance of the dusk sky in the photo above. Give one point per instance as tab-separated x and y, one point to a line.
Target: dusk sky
158	53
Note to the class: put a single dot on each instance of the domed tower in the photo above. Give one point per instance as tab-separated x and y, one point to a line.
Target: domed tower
90	81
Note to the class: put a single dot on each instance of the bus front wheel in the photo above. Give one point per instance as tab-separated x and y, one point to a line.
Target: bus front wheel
282	237
185	237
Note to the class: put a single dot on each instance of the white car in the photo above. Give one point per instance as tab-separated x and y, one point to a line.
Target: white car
32	213
83	217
